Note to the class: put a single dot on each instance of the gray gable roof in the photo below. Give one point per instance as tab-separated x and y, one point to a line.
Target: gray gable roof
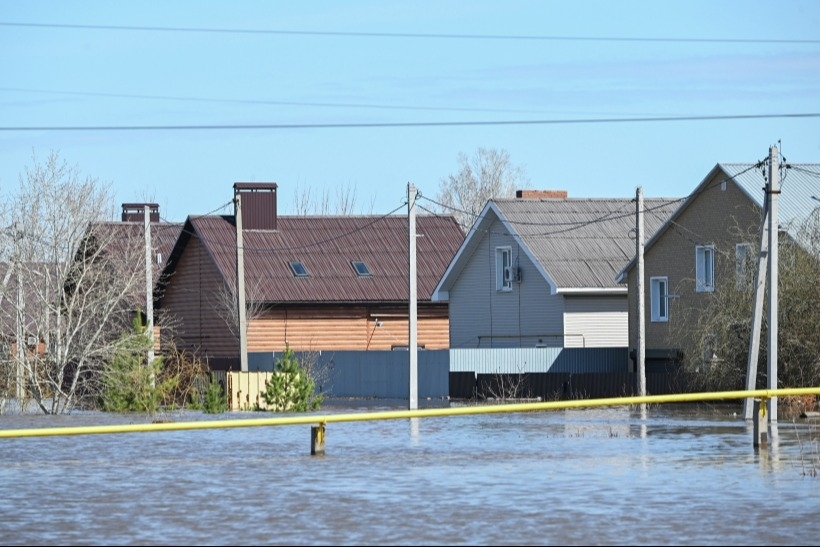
799	183
578	244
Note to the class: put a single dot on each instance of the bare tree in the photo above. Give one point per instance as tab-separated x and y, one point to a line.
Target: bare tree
507	387
715	339
225	304
342	203
489	173
69	304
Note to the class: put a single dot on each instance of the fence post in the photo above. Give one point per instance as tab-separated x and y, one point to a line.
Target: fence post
760	435
317	440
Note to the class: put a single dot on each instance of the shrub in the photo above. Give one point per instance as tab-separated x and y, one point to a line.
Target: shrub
130	383
291	387
214	401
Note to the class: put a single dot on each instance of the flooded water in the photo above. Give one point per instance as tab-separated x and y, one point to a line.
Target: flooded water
682	476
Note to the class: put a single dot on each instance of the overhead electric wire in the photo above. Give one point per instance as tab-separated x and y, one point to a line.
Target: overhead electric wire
414	35
405	124
260	101
217	244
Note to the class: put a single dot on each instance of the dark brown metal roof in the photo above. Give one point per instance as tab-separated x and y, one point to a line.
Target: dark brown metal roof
326	246
125	235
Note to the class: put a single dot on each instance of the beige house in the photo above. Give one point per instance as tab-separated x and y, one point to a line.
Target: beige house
709	242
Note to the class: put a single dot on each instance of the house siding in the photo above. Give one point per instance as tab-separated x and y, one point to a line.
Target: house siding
596	321
342	328
531	315
715	215
192	298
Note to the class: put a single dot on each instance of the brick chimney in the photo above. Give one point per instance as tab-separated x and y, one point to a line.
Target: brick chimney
541	194
135	212
258	204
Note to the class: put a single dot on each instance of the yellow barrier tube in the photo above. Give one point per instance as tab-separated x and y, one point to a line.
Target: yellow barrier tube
400	414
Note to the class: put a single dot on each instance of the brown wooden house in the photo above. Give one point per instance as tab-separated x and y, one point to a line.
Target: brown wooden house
311	282
125	243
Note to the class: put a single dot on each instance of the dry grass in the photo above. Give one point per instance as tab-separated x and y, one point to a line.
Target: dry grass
796	406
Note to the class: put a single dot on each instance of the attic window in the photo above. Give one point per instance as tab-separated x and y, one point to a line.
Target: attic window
298	268
361	268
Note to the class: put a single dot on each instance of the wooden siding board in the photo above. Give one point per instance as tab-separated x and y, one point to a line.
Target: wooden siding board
346	328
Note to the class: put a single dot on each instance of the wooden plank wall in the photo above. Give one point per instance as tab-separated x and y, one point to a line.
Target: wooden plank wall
345	328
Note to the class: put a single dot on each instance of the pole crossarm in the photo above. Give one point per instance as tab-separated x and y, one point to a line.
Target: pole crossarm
402	414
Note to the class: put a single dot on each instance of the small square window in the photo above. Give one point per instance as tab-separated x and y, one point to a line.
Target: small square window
298	269
361	268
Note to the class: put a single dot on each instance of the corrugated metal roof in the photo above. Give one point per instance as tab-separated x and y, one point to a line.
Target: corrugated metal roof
798	183
326	246
582	243
124	237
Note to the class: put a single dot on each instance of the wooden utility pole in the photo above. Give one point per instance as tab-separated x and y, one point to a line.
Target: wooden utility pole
412	343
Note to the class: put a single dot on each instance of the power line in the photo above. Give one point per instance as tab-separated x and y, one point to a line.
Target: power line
568	121
259	101
217	244
414	35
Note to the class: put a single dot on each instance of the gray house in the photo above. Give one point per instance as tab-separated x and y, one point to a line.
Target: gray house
539	270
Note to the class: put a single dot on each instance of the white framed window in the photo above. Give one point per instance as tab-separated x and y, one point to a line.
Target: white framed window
659	298
705	268
745	265
503	269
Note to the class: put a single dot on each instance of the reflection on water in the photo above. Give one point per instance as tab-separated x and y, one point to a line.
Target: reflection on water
600	476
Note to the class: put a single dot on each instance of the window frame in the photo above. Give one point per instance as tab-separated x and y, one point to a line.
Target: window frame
659	299
705	268
364	271
502	282
298	268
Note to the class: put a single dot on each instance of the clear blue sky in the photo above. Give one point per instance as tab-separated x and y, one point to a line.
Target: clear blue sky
293	65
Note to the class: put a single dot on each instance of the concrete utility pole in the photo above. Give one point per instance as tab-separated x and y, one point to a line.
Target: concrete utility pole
240	285
21	315
149	285
773	195
641	349
767	257
757	310
412	343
